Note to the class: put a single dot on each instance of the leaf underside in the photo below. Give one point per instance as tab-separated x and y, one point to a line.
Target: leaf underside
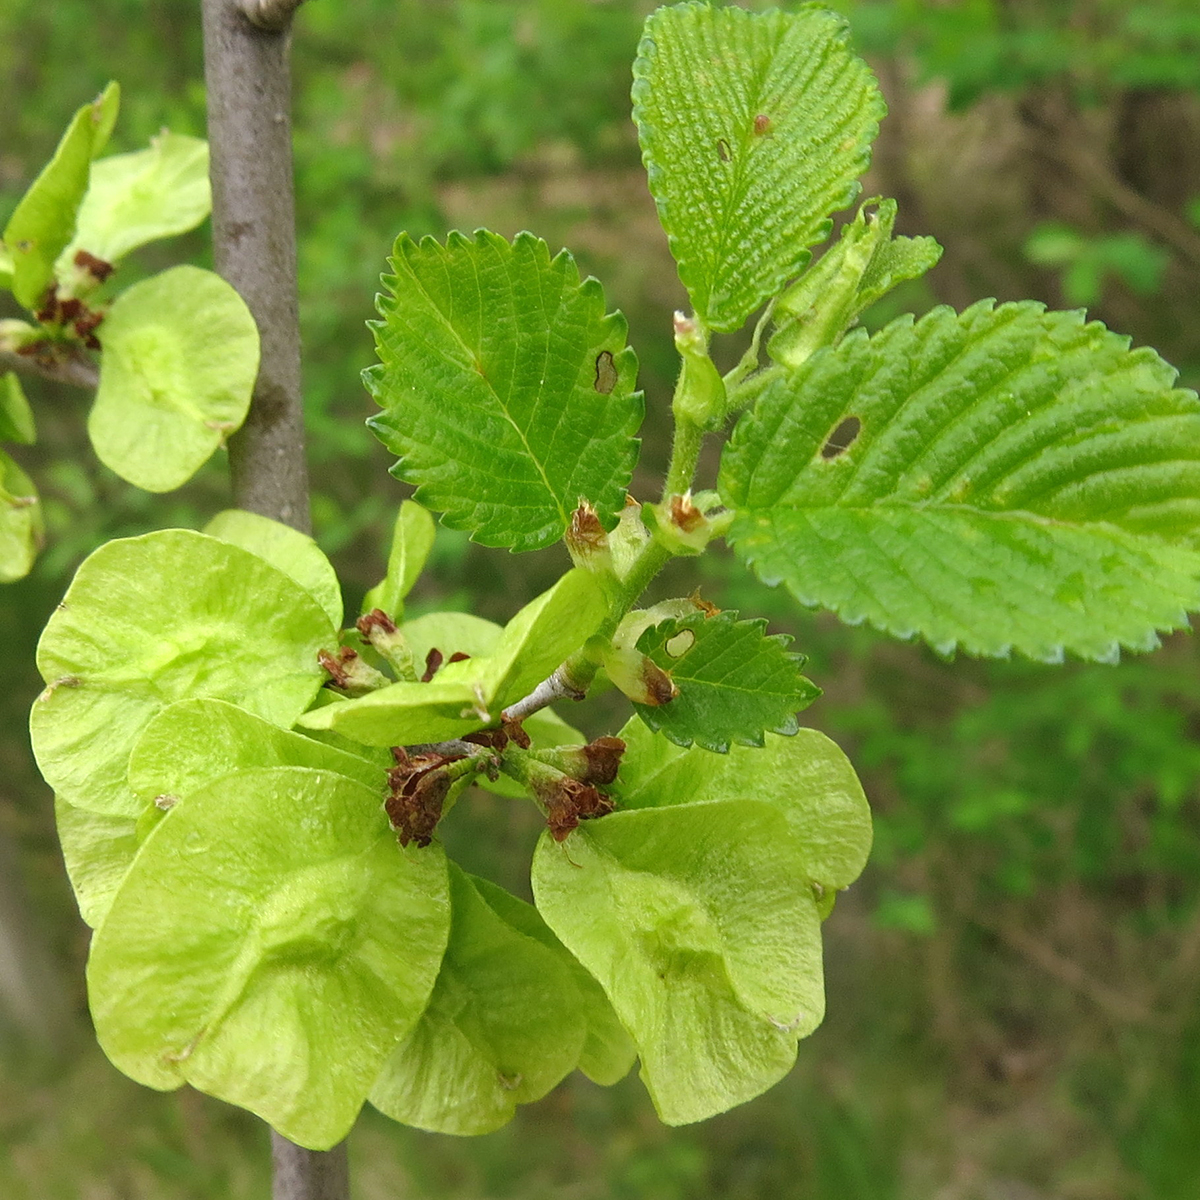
506	390
754	128
735	683
1001	479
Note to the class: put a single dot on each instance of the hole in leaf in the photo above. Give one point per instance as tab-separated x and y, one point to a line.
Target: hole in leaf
606	373
723	150
842	437
680	644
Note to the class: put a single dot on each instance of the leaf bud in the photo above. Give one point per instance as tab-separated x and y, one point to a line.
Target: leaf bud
348	673
380	631
642	680
596	763
700	392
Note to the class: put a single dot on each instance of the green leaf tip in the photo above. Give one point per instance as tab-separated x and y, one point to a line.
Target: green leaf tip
22	528
754	129
506	389
44	220
735	683
1004	479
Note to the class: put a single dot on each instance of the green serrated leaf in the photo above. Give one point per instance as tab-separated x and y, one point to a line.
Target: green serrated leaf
694	923
158	618
412	540
179	363
1002	479
754	128
141	197
16	417
507	392
294	553
293	944
735	683
97	849
44	219
608	1051
21	525
469	695
503	1026
806	776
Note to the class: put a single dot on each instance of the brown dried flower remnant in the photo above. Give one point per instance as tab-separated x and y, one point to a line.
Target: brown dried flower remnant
685	514
705	606
96	267
417	790
433	660
570	803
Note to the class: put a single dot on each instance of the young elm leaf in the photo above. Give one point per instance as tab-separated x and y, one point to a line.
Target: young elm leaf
698	924
44	219
806	776
294	553
754	128
179	363
486	379
1021	480
734	682
503	1026
158	618
292	944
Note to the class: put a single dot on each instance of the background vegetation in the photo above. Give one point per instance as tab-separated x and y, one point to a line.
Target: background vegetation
1014	983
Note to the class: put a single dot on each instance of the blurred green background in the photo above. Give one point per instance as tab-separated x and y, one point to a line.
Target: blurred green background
1013	985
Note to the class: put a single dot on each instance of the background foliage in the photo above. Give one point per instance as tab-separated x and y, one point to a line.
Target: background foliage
1013	985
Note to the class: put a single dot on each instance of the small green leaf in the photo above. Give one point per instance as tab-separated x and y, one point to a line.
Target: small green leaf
137	198
98	849
16	417
1002	479
503	1026
412	539
805	776
491	389
469	695
21	525
699	926
158	618
44	219
293	944
734	682
179	364
294	553
754	128
608	1052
